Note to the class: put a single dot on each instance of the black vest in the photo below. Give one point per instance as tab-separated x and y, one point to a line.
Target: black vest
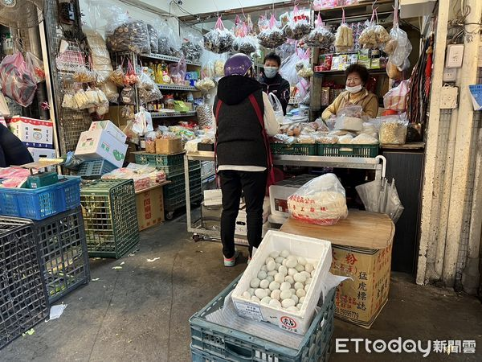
239	134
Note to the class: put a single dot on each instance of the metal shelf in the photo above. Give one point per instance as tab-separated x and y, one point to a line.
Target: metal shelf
167	58
177	87
155	115
342	72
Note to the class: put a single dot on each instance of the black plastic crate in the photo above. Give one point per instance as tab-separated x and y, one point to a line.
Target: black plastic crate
23	297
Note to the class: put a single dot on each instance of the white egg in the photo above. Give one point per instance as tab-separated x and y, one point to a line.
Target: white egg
295	298
263	268
266	300
271	265
291	262
298	286
268	260
285	294
255	299
308	281
283	270
264	284
275	254
292	290
302	300
288	303
268	291
302	260
272	273
301	293
262	274
312	273
299	306
307	275
292	272
274	285
299	277
260	293
307	287
275	304
255	283
285	253
300	268
309	268
275	294
292	309
279	260
285	286
269	278
246	295
277	266
251	291
289	279
279	278
284	262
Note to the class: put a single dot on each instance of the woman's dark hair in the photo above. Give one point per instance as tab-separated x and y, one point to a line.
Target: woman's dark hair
273	56
359	69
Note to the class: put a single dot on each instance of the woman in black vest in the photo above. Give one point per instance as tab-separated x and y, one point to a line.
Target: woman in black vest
244	116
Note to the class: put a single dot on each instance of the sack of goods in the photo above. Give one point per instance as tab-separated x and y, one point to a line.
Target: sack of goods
320	201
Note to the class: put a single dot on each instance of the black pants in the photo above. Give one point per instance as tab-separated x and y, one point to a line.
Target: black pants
253	185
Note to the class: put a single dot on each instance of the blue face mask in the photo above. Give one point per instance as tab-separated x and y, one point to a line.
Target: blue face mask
270	72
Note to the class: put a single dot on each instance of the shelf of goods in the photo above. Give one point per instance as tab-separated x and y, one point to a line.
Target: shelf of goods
377	164
167	58
176	87
155	115
342	72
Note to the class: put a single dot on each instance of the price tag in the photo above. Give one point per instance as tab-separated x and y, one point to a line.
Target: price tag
249	310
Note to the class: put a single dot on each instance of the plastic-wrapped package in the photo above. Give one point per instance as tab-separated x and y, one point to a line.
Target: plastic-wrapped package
128	95
205	84
100	58
284	138
205	115
117	76
328	140
81	100
351	111
320	37
298	26
130	78
244	42
344	37
396	98
17	81
131	36
219	40
177	71
84	75
346	139
403	48
306	139
36	66
320	201
271	36
143	122
169	42
192	46
364	139
393	130
110	90
68	101
288	70
153	39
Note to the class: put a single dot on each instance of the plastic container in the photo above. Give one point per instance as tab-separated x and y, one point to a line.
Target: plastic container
348	150
213	342
40	203
95	168
293	149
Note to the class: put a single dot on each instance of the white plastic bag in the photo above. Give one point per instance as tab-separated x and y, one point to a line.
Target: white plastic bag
396	98
403	48
277	107
143	123
320	201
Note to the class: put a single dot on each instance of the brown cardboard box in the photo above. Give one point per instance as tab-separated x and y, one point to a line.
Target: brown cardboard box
361	249
150	207
167	146
115	116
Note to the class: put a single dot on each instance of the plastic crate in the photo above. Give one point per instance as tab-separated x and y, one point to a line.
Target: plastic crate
177	185
38	204
95	168
159	160
301	149
23	297
366	151
213	342
176	202
110	217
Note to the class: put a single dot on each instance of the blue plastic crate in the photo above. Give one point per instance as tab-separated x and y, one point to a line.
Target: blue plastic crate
213	342
38	204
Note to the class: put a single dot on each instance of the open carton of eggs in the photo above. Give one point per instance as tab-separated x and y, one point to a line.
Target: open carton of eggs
283	282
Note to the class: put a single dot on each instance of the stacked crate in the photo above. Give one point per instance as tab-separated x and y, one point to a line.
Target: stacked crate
173	167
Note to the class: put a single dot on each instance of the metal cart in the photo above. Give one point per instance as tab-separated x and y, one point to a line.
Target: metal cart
378	164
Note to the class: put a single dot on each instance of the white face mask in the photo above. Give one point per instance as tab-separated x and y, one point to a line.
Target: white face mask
270	72
354	89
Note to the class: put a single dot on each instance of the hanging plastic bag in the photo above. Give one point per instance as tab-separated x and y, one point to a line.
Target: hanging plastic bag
277	107
403	48
270	36
117	76
18	82
299	25
205	84
130	78
344	37
110	90
320	201
143	122
219	40
396	98
36	66
192	45
169	42
100	58
244	43
127	95
320	37
288	70
153	39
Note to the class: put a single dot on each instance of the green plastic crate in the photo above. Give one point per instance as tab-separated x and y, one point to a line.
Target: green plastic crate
110	218
154	159
337	150
172	171
213	342
178	201
301	149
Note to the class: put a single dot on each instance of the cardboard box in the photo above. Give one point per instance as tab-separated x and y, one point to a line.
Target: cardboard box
116	116
39	153
309	248
361	249
150	207
109	127
99	144
33	132
167	146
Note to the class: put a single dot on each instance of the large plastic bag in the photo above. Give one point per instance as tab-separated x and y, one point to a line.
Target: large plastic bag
143	123
393	130
396	98
100	58
373	36
148	90
169	42
192	46
320	201
18	82
288	70
298	26
320	37
219	40
344	37
270	36
36	66
153	39
403	48
244	42
277	107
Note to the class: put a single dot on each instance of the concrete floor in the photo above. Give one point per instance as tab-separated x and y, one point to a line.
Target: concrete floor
140	313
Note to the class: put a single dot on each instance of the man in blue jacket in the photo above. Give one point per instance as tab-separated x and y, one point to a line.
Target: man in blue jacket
12	151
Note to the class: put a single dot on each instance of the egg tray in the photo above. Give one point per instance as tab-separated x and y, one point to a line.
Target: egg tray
110	217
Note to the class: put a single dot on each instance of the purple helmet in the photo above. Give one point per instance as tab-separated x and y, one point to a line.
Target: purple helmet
238	64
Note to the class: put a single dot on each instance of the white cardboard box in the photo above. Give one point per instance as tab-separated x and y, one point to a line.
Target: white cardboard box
109	127
99	144
311	249
33	132
39	153
278	199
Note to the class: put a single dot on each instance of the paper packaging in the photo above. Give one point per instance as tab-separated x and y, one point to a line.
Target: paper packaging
33	132
295	322
361	249
168	146
109	127
99	144
150	207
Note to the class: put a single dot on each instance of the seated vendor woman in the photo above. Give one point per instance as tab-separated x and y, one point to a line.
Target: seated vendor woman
355	94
